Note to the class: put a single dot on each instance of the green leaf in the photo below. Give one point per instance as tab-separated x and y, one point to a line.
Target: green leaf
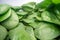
38	16
34	24
43	5
56	1
30	32
12	21
30	18
3	33
5	16
50	17
7	38
22	13
20	17
4	8
57	11
47	31
28	6
16	8
19	33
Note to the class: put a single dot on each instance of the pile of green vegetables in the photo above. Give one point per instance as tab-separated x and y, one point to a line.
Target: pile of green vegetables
31	21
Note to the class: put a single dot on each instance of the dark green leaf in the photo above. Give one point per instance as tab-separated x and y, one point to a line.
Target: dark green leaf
43	5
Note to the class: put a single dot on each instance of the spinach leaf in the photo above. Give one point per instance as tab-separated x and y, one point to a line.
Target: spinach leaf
12	21
19	33
47	31
3	32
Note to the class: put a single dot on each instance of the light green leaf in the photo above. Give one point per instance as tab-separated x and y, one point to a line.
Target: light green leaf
30	18
3	33
34	24
12	21
47	31
21	13
56	1
5	16
4	8
19	33
28	6
30	32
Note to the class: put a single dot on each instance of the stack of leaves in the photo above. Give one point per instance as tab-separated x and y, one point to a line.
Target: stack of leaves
31	21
